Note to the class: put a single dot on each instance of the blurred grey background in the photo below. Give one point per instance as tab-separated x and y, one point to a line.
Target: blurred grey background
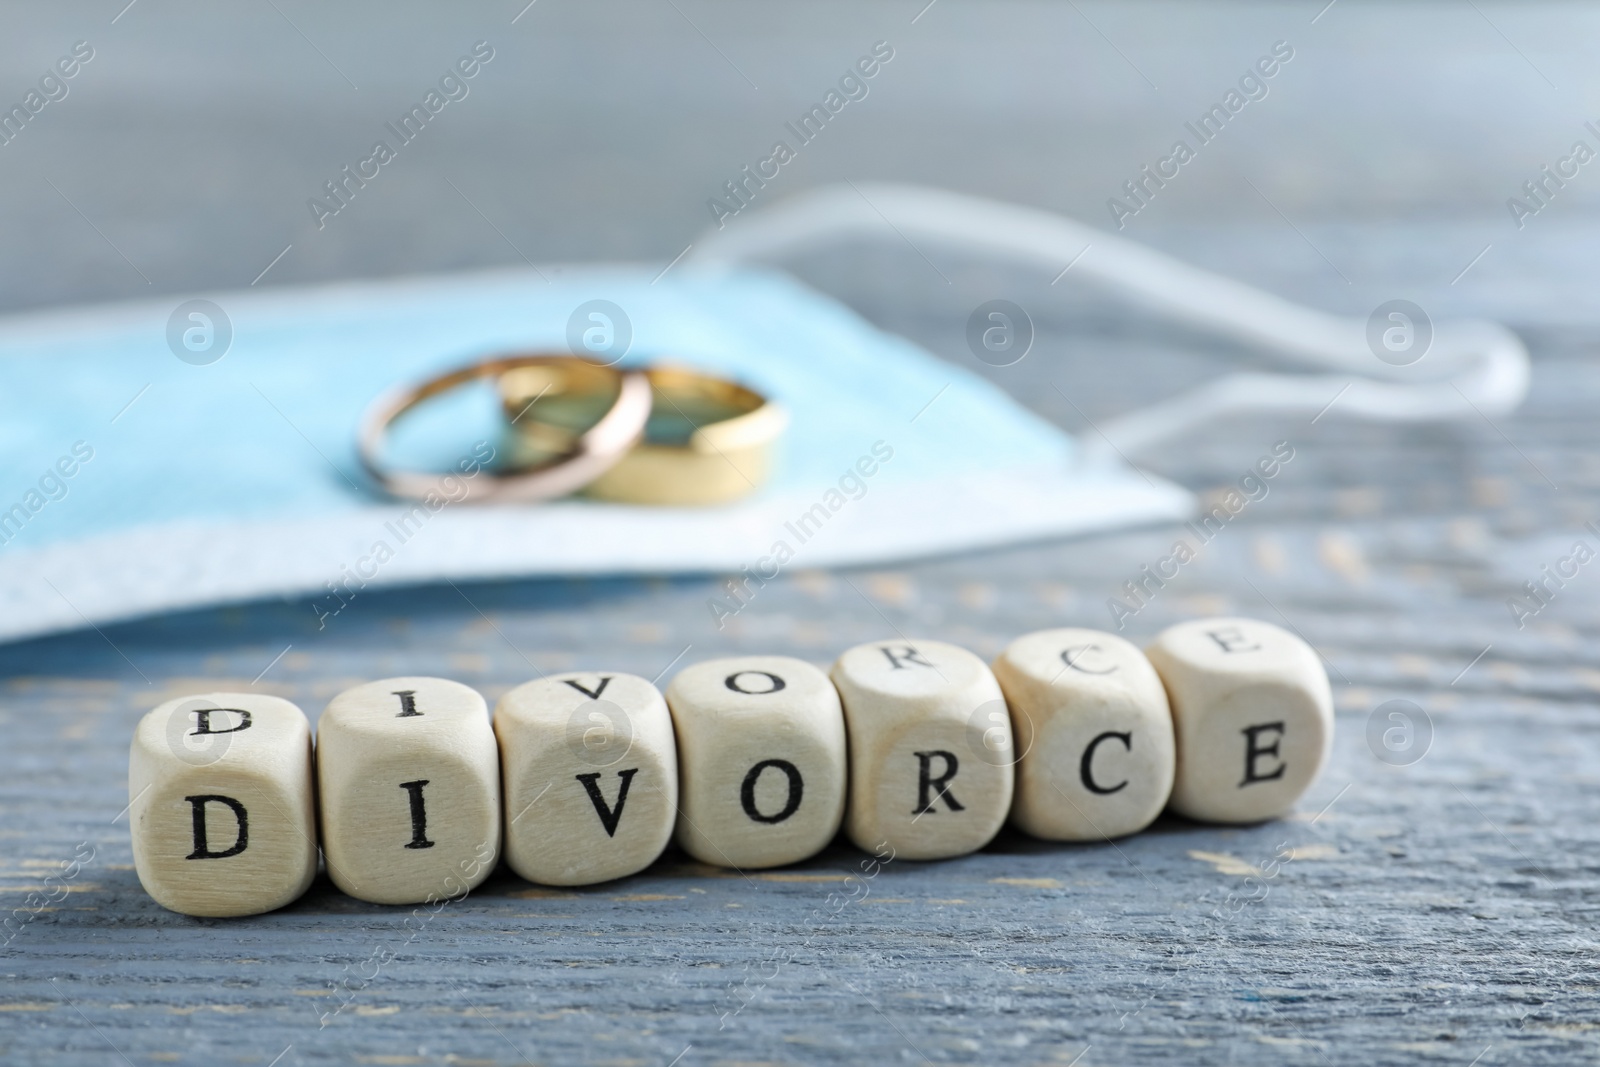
186	150
1440	911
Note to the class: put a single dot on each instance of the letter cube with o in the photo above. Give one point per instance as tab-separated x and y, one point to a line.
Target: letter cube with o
1094	735
931	748
762	768
409	779
221	804
590	773
1253	715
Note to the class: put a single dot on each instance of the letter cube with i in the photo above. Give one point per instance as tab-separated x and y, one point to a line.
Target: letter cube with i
221	807
590	774
409	780
931	748
1253	715
1094	735
762	767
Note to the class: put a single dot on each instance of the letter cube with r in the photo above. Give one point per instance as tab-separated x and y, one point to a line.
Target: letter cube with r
930	748
917	748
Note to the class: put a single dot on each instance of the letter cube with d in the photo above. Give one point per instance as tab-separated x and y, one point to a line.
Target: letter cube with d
221	804
1253	715
409	779
761	760
931	749
590	775
1094	735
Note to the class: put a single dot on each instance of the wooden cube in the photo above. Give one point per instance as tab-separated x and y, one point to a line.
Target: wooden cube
409	780
931	748
1253	714
1094	735
762	767
589	768
221	806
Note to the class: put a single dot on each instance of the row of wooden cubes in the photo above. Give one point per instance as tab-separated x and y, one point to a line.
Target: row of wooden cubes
918	748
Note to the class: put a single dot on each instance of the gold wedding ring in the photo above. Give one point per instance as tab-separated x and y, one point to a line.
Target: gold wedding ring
609	418
707	441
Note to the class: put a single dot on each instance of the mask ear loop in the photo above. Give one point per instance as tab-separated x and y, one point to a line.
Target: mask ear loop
1472	367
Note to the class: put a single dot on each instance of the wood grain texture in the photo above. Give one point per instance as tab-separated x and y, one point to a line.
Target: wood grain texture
1252	711
1439	911
408	790
1095	753
918	714
222	815
1429	911
589	775
767	731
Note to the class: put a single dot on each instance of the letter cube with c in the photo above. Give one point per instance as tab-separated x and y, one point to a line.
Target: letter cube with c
1094	735
1253	716
590	773
221	806
761	760
409	781
931	748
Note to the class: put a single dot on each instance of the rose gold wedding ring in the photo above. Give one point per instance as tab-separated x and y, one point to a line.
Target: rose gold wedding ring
576	455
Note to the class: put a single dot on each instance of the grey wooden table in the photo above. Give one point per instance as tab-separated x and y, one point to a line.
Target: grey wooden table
1441	911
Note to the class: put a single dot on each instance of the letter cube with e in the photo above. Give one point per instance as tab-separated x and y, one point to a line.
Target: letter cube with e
930	748
1253	715
762	767
590	775
1094	735
409	779
221	807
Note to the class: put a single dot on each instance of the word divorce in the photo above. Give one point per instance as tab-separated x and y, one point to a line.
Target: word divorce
1140	191
349	181
852	86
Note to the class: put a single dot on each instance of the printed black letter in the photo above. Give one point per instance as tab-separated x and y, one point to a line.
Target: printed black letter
202	721
1253	752
732	682
198	807
1231	640
609	817
747	792
593	694
419	815
907	655
1086	772
926	781
1074	657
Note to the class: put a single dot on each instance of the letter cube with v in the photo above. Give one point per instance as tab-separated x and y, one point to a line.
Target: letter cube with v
409	782
931	748
1094	735
221	806
1253	715
761	760
590	774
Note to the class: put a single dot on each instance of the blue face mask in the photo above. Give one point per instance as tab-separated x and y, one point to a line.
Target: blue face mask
156	460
